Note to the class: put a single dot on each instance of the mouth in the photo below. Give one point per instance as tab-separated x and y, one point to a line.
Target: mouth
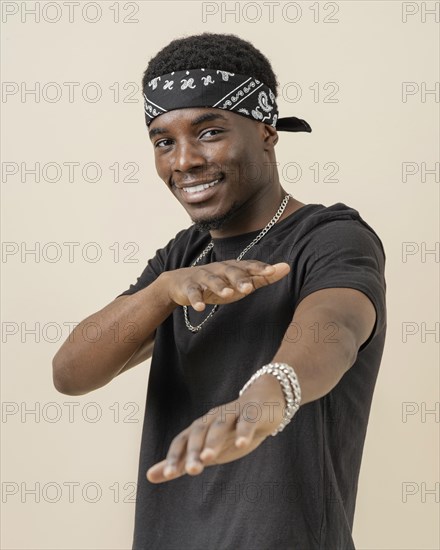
200	193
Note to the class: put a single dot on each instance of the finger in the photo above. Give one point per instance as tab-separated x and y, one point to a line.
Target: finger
196	440
220	432
195	296
155	473
215	283
242	277
175	455
247	267
225	280
280	271
254	267
246	427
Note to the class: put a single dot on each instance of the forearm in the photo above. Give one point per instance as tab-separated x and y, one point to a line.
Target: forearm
319	360
92	357
318	365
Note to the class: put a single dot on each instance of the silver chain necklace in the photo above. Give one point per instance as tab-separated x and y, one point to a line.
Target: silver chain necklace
263	232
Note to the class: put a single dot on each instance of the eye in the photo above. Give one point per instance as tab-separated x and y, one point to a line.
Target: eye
160	141
208	131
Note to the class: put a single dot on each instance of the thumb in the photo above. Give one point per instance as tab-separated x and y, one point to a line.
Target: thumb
282	267
246	425
278	271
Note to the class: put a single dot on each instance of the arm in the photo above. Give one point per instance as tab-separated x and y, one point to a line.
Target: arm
127	328
127	325
333	323
218	437
342	253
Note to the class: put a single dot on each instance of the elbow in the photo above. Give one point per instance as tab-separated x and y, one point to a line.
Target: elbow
62	379
59	380
61	386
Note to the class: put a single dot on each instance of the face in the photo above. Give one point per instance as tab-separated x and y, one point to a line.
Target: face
231	153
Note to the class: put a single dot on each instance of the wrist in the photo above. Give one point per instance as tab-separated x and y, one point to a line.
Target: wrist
163	288
268	387
266	394
288	381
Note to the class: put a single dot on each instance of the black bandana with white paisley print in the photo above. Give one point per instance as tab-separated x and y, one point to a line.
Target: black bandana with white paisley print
244	95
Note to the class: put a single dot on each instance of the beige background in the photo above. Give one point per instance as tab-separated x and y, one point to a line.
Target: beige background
369	132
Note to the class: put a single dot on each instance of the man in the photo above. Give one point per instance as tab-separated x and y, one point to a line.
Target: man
258	279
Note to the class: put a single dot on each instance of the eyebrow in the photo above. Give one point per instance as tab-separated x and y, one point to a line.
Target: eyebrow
205	117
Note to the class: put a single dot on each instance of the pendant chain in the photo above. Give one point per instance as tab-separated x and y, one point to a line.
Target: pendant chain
263	232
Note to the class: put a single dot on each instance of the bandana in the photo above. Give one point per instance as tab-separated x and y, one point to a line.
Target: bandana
243	95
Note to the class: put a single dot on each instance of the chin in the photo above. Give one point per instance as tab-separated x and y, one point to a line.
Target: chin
213	223
209	224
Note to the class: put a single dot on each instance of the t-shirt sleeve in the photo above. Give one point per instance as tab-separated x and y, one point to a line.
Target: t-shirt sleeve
154	268
347	254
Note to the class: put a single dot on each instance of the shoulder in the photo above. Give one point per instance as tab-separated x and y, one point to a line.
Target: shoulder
338	225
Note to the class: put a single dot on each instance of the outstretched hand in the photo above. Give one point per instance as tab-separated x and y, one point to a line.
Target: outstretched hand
221	282
224	433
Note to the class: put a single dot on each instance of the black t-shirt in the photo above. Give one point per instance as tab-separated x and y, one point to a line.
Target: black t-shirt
297	490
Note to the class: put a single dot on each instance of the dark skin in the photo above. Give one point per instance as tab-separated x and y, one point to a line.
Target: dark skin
234	146
242	150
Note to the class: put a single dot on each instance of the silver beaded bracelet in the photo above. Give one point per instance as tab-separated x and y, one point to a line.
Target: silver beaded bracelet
289	384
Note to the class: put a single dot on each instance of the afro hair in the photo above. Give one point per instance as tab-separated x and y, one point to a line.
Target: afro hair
226	52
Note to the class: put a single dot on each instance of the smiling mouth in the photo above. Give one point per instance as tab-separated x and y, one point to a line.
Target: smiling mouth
201	193
202	187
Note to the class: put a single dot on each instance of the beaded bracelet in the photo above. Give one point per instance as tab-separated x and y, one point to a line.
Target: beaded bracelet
289	384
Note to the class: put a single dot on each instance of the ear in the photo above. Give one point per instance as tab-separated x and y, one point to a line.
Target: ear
270	136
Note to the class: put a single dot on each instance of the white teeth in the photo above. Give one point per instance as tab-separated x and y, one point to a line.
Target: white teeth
198	188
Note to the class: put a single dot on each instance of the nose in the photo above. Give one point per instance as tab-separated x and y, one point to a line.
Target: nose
187	156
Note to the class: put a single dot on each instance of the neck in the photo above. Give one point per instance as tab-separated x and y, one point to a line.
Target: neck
254	215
